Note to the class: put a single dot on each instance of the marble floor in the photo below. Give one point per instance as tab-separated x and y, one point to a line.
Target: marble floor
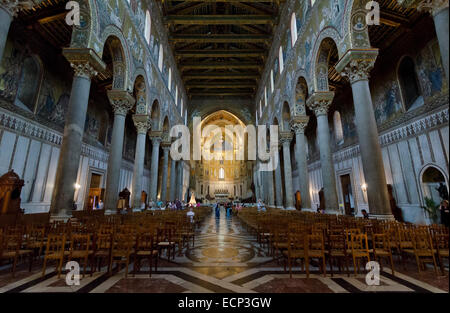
225	259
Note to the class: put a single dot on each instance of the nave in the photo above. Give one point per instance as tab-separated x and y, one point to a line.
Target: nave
224	257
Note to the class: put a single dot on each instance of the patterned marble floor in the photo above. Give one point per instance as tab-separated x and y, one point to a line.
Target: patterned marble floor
225	259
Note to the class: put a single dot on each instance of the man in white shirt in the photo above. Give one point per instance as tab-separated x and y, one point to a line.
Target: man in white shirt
191	214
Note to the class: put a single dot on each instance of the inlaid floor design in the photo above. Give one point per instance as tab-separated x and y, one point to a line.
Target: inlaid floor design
225	259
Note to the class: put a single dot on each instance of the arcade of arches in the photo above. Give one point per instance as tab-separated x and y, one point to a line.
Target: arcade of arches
359	111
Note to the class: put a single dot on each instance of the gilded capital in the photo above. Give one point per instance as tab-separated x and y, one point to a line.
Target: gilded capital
14	6
357	64
121	101
142	123
431	6
156	137
298	124
285	138
320	102
85	62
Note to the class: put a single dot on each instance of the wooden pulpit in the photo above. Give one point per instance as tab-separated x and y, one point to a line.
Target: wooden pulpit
10	189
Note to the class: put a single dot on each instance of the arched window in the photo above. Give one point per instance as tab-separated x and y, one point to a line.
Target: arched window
30	78
169	81
265	96
148	26
272	82
408	82
280	59
176	95
221	173
293	29
161	57
338	131
312	2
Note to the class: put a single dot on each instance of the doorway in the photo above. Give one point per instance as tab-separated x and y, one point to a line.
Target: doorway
96	193
347	192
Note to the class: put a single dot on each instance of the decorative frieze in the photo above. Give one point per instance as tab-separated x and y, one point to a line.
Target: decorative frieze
14	6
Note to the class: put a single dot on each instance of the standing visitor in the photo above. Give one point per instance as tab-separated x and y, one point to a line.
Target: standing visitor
444	213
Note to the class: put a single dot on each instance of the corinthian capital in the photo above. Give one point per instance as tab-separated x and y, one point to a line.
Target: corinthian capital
320	102
357	64
85	62
156	137
14	6
142	123
121	101
285	138
432	6
298	124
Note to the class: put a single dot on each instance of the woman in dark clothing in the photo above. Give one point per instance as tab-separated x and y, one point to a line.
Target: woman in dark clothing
445	211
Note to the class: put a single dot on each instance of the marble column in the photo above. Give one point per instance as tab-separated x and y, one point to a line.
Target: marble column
179	193
278	183
356	65
285	140
121	102
440	17
271	193
298	125
86	64
156	138
439	11
8	10
173	180
319	102
166	150
142	123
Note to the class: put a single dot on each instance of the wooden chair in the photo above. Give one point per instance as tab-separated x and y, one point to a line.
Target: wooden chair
34	239
337	250
359	249
316	250
296	250
165	241
382	249
55	250
102	251
441	249
145	248
121	251
422	250
80	249
11	249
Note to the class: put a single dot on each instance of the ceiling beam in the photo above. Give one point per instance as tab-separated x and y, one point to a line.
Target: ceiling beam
222	94
219	19
392	19
220	65
220	85
213	75
241	53
225	1
220	38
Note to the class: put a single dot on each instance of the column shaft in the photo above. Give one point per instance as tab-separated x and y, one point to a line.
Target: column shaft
441	26
371	156
115	162
138	172
69	157
288	175
271	193
173	179
5	23
328	176
165	173
278	184
154	169
302	169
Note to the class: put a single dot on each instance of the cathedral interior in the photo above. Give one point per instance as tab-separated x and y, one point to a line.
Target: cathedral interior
349	97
